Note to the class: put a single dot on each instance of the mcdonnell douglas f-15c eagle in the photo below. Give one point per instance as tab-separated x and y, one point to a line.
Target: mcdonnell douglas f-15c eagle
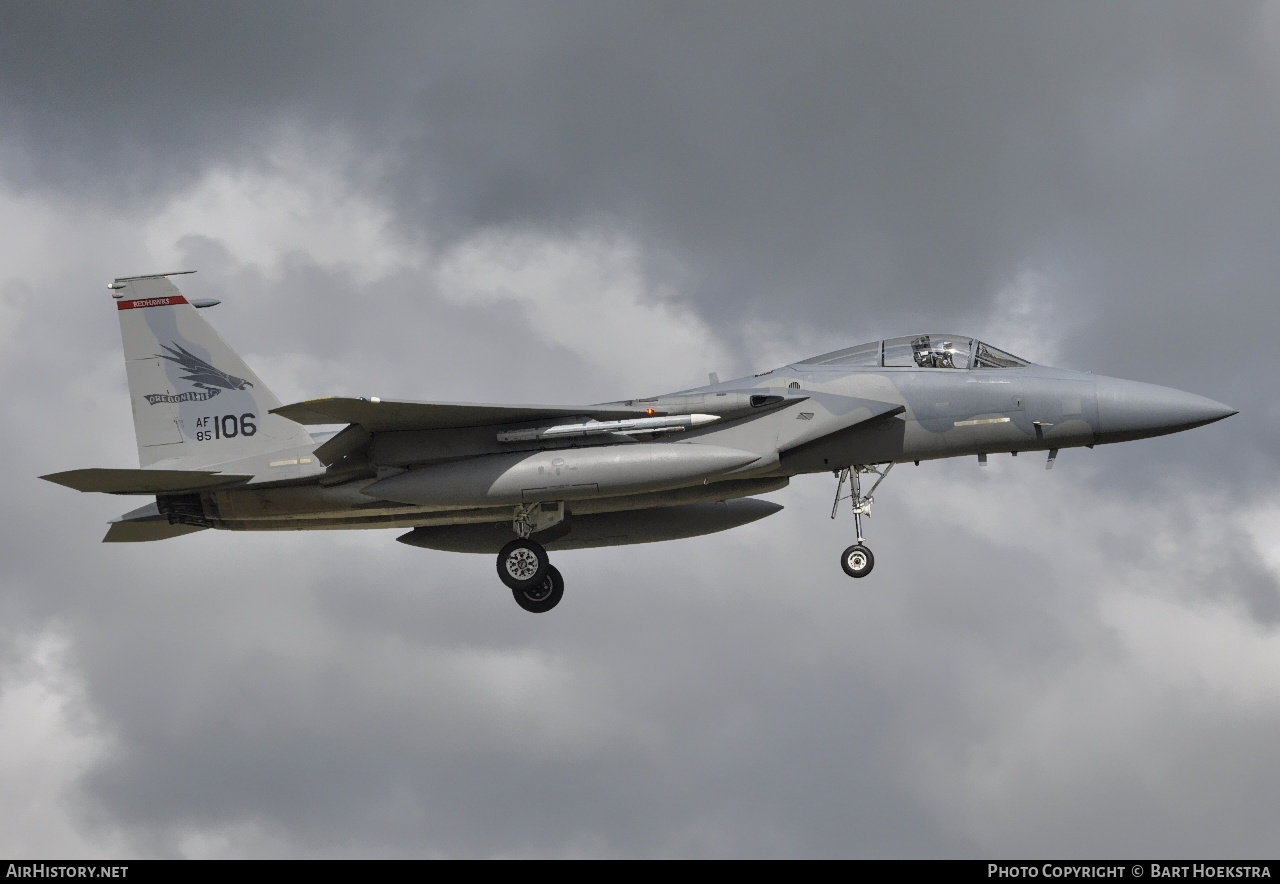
218	450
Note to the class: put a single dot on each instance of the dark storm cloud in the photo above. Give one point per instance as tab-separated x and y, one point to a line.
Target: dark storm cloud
841	171
877	168
126	100
845	160
833	164
439	772
841	158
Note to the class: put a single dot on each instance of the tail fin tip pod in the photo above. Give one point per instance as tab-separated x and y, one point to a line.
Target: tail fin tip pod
194	399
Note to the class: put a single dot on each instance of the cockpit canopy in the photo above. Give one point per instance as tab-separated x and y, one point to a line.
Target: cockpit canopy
921	351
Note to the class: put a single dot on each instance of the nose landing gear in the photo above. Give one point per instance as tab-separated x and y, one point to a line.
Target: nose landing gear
857	560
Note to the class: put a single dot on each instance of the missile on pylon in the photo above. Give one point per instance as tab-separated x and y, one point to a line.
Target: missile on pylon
630	427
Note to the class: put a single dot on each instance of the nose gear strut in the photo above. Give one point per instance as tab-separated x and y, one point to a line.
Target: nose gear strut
857	560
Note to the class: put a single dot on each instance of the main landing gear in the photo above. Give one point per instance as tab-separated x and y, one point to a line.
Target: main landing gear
523	565
857	560
544	596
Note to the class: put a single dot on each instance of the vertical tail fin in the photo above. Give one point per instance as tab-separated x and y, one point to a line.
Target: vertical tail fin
194	399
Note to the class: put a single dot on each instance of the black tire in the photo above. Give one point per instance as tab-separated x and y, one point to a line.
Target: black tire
522	563
543	597
857	561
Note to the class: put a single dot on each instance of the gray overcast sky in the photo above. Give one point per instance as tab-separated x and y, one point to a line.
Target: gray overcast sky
584	201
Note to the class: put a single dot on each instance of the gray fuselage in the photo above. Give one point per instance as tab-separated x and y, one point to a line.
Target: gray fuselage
805	417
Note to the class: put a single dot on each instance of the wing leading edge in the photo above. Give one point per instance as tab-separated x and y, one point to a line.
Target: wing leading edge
365	417
380	416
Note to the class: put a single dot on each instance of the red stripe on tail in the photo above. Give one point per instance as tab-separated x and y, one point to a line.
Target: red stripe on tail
150	302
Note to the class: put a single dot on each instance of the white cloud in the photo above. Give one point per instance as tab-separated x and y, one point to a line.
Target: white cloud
1149	711
1209	650
584	292
1026	320
296	201
587	294
1261	524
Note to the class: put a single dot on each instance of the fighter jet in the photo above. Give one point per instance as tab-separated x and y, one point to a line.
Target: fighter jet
218	450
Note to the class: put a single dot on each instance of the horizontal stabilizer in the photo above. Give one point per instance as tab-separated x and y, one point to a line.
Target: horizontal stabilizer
378	416
144	524
109	481
142	532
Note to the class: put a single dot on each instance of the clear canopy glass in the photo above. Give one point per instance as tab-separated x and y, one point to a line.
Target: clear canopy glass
987	356
921	351
863	354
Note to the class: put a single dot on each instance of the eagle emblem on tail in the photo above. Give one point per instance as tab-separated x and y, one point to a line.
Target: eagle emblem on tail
201	373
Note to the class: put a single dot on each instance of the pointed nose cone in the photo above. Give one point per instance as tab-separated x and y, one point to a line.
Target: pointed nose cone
1132	410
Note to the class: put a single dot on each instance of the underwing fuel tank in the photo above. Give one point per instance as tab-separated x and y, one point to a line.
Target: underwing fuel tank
602	529
563	474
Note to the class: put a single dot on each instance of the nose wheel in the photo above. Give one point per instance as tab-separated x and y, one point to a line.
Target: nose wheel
857	560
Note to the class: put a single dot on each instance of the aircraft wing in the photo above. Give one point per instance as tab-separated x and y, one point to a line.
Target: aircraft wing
364	417
380	416
120	481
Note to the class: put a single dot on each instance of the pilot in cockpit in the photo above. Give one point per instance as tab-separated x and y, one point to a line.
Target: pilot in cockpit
930	355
